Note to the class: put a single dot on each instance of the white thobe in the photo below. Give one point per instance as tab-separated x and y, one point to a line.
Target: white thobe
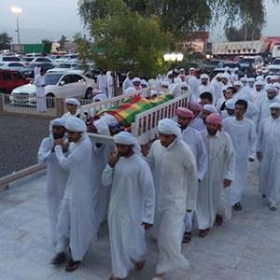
211	199
264	108
68	115
194	84
220	102
269	146
226	115
56	182
218	86
255	96
242	94
37	70
77	225
102	154
40	83
110	84
197	123
127	83
132	202
194	140
244	139
175	176
102	83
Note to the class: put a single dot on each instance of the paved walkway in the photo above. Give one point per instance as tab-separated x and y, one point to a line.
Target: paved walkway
247	247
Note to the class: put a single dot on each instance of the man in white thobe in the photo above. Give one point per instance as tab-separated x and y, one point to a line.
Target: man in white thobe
110	84
101	82
243	135
132	205
76	225
194	140
36	70
212	203
72	105
264	103
194	83
40	84
174	169
56	175
127	83
206	86
269	155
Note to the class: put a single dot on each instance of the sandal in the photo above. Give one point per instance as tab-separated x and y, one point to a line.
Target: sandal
58	259
187	237
72	265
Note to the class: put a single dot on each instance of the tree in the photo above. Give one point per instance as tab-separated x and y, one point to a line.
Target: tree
245	32
180	16
130	42
46	41
5	41
62	41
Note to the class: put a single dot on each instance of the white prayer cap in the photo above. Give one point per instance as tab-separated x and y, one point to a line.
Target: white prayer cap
58	122
169	73
259	78
72	101
126	138
169	127
165	83
102	125
136	80
275	105
277	85
75	124
259	83
238	83
236	69
271	88
191	69
204	76
230	104
244	79
219	75
100	97
184	84
210	108
182	70
130	90
144	82
251	80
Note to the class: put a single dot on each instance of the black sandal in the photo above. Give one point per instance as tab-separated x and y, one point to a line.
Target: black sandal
58	259
72	265
187	237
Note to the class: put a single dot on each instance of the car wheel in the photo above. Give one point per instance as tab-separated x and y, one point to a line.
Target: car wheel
88	94
50	100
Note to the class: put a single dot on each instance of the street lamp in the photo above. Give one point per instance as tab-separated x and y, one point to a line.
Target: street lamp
173	57
17	11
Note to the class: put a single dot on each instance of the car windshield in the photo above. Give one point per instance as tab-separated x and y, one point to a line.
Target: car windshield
231	65
52	79
276	62
247	60
211	62
63	65
10	58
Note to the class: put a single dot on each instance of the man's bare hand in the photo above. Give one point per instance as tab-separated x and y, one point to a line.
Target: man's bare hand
59	142
227	183
113	159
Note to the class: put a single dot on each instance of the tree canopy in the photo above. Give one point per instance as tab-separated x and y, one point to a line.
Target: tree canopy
5	41
246	32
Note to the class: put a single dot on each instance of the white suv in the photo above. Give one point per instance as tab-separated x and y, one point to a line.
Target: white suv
61	85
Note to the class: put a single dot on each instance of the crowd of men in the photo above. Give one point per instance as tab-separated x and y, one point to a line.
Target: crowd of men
193	176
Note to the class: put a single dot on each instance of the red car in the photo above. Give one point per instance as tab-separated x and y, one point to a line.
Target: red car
10	79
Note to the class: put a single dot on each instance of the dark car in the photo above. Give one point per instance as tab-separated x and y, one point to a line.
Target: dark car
209	65
29	71
10	79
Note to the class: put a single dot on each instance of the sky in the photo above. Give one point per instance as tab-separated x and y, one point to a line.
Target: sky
49	19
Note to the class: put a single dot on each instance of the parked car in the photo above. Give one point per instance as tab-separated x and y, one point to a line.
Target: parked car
9	58
209	65
11	79
41	60
62	85
276	61
12	65
273	69
29	71
255	61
